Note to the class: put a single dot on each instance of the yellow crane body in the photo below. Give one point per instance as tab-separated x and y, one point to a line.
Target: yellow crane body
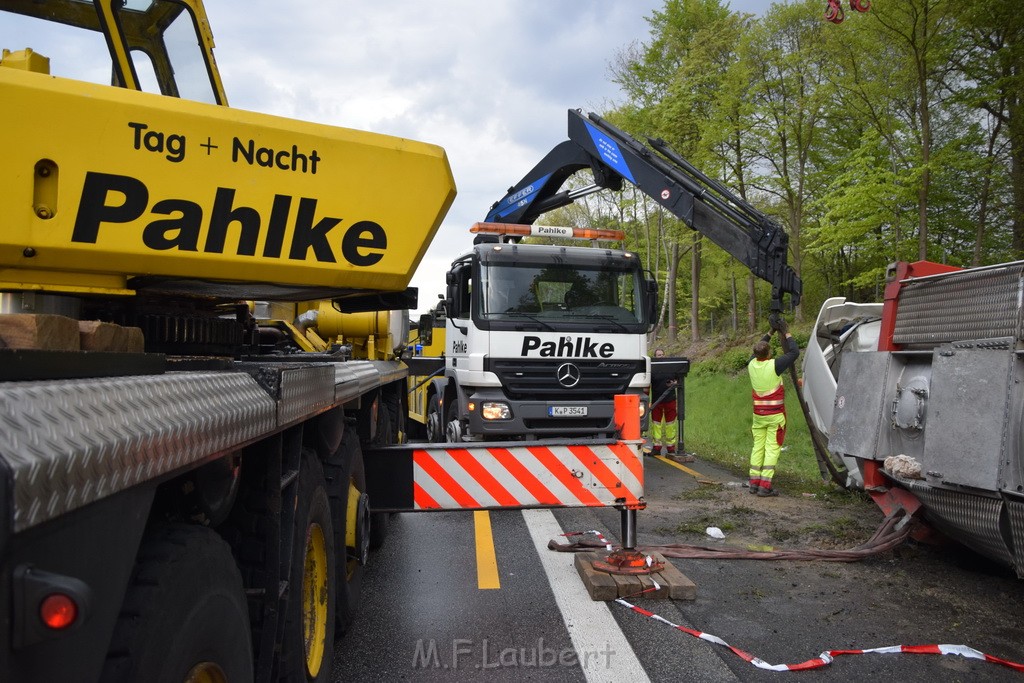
107	184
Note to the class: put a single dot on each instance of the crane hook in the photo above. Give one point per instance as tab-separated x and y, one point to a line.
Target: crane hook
834	12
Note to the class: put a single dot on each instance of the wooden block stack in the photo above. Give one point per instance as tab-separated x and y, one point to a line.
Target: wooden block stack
99	336
604	586
46	332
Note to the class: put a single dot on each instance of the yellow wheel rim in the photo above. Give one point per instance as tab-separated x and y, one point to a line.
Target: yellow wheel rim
314	599
206	672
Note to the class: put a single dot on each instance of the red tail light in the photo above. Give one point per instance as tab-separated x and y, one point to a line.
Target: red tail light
58	611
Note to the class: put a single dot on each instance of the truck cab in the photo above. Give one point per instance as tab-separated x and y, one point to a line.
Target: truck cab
540	337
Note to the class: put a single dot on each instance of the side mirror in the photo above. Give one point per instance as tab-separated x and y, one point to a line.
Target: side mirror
652	301
426	329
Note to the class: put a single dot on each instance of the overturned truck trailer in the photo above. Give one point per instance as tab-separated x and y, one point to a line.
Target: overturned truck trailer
943	388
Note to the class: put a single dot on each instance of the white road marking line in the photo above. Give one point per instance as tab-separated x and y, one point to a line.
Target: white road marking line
602	650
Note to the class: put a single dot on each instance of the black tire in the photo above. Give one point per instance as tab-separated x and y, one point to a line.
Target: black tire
345	472
452	424
396	411
435	420
390	430
307	650
184	612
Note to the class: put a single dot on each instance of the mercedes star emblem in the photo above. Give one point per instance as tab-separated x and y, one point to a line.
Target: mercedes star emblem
568	375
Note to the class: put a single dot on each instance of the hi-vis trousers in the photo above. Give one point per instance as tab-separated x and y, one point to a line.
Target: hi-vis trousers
769	432
664	428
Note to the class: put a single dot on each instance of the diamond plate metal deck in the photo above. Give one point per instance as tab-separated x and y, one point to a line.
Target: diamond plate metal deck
70	443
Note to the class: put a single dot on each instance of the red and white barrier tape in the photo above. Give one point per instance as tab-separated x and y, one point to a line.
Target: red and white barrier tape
826	657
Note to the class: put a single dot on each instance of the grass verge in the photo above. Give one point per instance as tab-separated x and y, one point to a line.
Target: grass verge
716	427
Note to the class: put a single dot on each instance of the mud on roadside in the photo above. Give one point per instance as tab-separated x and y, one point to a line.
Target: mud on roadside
915	593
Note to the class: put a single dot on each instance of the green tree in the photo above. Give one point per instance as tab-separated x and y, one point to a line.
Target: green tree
790	93
993	81
674	84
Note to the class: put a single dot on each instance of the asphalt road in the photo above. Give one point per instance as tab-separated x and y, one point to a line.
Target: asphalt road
424	615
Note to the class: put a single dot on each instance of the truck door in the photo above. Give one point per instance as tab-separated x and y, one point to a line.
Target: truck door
460	286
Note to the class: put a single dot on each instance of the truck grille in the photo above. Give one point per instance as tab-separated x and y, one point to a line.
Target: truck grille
982	303
537	378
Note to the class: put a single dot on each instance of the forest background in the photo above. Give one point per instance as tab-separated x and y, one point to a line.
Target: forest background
895	135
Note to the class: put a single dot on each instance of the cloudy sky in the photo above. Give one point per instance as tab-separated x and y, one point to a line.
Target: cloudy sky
488	80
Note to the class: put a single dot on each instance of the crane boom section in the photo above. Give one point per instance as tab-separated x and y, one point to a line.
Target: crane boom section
656	170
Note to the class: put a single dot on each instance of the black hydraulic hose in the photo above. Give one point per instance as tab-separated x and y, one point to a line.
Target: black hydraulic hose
663	396
429	377
839	474
892	532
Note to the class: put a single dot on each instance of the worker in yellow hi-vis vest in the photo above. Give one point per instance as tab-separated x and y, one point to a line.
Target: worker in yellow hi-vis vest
769	424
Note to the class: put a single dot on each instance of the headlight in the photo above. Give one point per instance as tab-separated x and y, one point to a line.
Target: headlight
495	411
643	409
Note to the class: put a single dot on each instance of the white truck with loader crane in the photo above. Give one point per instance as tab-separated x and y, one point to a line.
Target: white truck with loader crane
539	338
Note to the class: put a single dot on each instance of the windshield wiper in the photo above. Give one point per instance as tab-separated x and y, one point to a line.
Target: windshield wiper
522	314
601	316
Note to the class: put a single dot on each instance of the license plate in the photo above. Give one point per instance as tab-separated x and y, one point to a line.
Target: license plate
567	411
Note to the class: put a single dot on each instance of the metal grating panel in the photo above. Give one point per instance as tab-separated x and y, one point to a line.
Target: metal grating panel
970	519
73	442
982	303
1015	512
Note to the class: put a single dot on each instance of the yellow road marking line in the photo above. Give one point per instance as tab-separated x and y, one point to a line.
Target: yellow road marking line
486	560
684	468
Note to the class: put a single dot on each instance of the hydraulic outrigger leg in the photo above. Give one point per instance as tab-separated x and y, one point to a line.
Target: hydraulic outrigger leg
628	560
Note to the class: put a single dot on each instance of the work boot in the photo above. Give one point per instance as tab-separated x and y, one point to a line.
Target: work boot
766	492
670	450
753	489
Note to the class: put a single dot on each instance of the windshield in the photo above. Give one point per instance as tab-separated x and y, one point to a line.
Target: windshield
513	292
161	38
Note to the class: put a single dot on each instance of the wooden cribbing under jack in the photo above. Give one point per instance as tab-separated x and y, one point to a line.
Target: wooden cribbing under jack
604	586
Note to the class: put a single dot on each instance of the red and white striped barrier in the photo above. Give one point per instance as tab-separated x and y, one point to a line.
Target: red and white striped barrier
826	657
527	476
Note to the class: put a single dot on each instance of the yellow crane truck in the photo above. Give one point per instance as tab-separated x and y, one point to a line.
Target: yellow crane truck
195	350
202	392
